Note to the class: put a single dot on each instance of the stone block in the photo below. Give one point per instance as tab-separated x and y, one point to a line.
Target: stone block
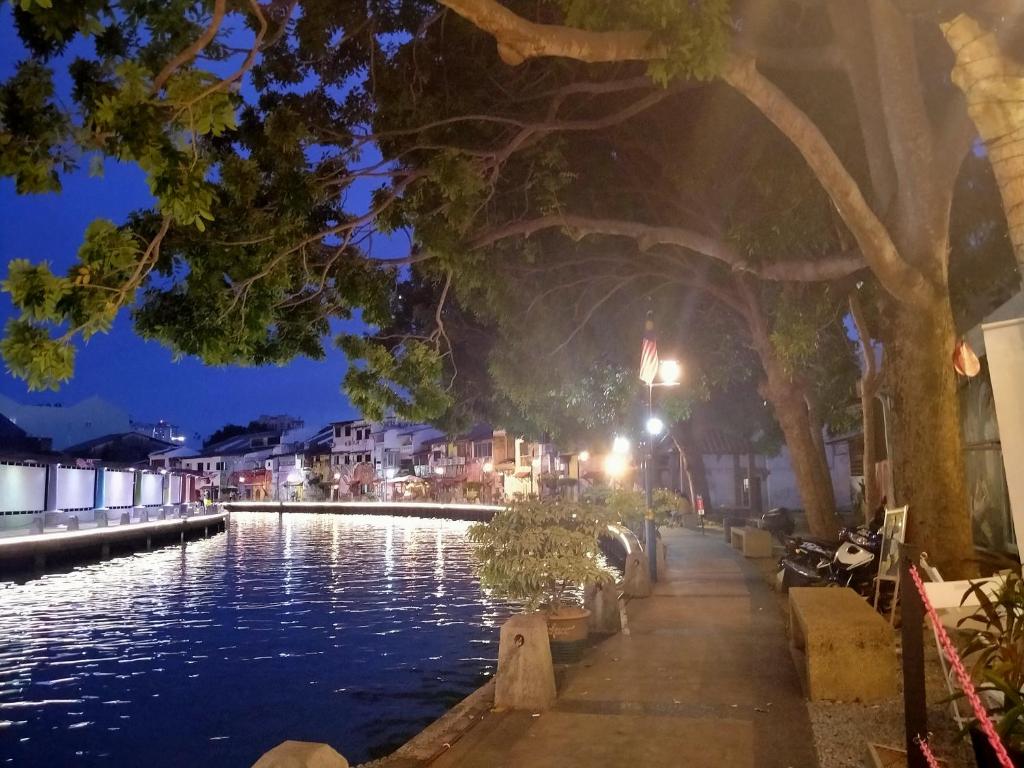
126	518
72	524
301	754
661	553
37	524
99	517
846	648
637	581
526	676
602	600
752	542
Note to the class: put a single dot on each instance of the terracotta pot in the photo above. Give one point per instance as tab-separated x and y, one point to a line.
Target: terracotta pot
568	625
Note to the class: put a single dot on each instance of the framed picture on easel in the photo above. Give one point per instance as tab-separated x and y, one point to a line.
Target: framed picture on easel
894	534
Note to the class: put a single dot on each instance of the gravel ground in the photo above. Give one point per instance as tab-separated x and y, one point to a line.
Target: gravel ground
842	730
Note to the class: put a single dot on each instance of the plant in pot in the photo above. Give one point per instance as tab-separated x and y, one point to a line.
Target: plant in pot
540	553
994	653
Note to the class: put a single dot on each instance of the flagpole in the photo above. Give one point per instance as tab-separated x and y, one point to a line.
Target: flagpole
650	530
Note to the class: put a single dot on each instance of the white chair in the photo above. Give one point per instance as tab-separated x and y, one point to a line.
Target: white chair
947	597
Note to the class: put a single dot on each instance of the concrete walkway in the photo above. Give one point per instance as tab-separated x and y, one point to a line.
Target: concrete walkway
704	678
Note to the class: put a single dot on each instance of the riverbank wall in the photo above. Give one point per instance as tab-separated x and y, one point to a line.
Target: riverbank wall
470	512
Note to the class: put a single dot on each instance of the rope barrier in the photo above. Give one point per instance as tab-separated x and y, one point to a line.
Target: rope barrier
966	683
926	750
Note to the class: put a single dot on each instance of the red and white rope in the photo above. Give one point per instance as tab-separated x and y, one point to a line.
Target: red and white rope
926	750
966	683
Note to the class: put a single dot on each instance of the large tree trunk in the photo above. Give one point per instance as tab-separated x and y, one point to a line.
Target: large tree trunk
928	464
870	381
693	464
809	464
994	86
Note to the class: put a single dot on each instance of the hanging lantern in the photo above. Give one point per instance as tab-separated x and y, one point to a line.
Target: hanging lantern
965	361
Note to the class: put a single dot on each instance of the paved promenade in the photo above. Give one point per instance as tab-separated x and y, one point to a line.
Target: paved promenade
704	678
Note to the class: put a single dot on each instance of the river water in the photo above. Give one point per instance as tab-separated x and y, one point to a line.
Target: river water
351	630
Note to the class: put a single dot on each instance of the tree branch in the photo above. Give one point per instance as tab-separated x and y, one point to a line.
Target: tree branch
219	9
647	236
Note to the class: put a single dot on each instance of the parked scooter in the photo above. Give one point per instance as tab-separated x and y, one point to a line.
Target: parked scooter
853	562
779	523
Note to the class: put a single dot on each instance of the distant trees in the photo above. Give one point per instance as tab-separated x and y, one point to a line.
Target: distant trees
234	430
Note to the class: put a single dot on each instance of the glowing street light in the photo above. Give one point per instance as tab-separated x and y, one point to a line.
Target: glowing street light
488	467
615	465
337	475
655	426
241	479
584	456
620	444
438	470
670	372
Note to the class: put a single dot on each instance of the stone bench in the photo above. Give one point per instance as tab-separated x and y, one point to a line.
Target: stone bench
843	648
752	542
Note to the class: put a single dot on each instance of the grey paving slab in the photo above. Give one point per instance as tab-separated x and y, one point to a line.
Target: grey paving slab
704	678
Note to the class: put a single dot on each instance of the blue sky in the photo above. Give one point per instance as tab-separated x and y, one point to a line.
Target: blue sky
141	376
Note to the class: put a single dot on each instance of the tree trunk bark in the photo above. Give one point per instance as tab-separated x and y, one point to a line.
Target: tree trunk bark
809	464
928	465
869	383
693	463
993	83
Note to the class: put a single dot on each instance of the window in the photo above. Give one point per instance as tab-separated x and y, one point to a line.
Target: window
482	450
274	441
366	457
337	431
348	430
346	459
220	465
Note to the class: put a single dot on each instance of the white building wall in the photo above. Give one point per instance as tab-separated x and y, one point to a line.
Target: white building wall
76	488
152	490
119	488
24	488
720	472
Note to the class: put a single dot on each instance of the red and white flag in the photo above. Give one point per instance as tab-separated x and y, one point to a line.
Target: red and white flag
649	352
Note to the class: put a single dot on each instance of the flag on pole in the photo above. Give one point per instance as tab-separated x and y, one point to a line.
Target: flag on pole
649	352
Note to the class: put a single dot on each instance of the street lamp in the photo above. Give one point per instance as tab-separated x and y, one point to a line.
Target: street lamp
615	465
620	445
655	426
669	372
584	456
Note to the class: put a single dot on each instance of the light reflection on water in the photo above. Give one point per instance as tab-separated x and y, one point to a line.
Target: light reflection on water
353	630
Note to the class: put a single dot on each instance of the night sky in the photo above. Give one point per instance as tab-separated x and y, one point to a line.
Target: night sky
140	376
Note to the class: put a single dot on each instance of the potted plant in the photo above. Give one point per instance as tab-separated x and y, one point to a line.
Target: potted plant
540	553
995	654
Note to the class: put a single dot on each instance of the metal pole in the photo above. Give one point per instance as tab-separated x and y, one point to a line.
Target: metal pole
650	531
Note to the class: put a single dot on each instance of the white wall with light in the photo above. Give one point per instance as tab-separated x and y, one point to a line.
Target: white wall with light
119	488
152	490
24	488
76	488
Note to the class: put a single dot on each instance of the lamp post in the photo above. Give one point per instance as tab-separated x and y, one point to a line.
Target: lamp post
669	373
581	457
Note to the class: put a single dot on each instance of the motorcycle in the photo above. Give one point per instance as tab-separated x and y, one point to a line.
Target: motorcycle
779	523
852	562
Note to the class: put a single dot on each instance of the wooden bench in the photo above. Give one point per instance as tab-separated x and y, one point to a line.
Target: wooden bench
752	542
842	647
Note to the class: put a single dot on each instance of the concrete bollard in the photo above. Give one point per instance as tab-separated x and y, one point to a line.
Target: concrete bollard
100	518
126	518
526	676
162	515
301	754
661	554
637	582
37	525
602	600
144	516
72	524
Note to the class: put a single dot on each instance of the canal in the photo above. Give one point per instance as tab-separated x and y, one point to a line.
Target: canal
351	630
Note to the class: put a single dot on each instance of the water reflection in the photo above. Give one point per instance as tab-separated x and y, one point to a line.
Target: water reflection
313	627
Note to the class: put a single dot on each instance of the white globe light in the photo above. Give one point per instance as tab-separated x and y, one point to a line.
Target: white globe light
241	479
584	455
488	467
670	372
655	426
337	475
620	445
615	465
